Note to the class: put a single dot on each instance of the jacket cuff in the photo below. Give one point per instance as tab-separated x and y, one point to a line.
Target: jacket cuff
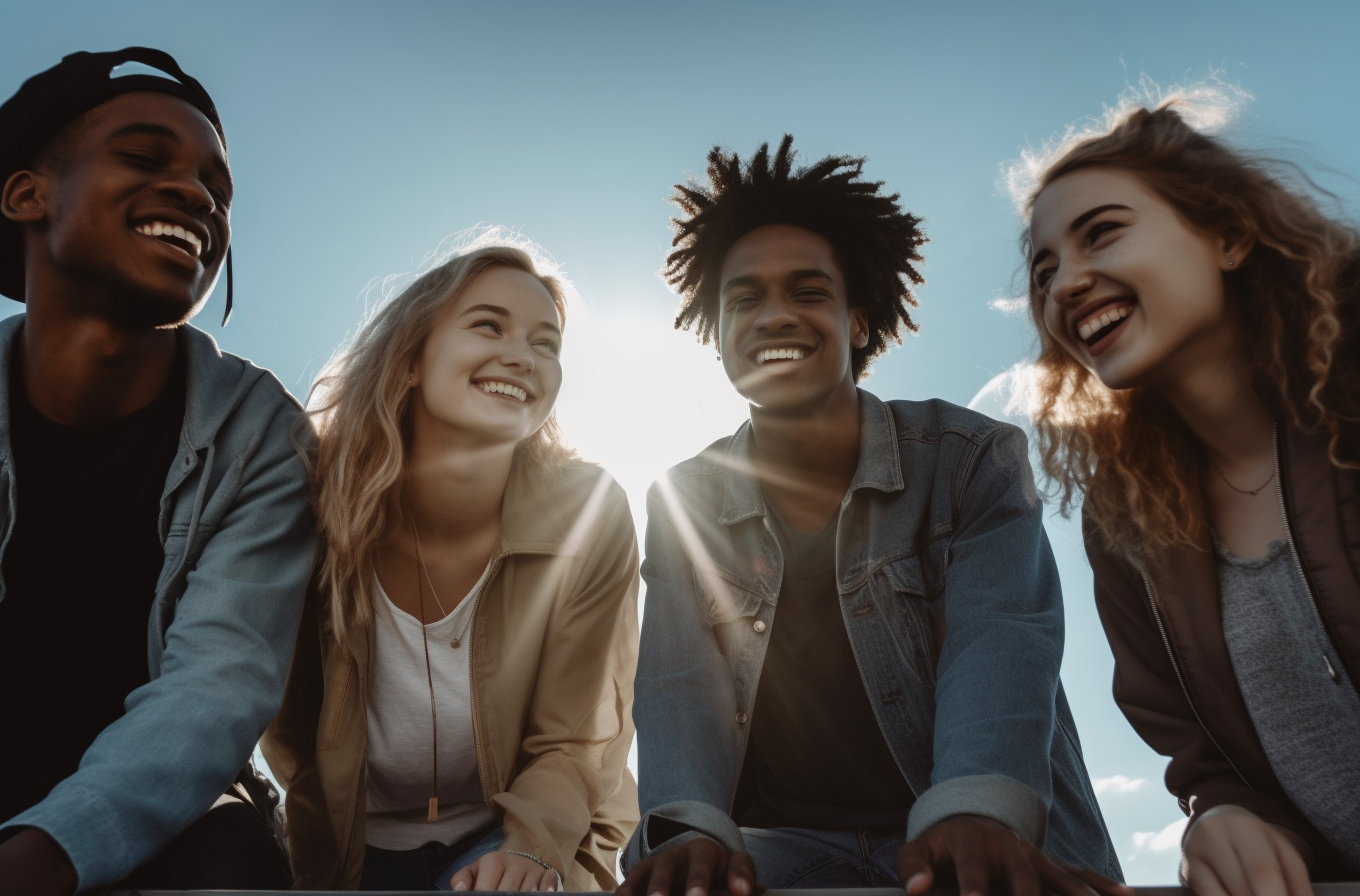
86	828
695	819
997	797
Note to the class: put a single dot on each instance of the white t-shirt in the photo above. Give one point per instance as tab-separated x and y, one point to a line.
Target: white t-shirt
400	738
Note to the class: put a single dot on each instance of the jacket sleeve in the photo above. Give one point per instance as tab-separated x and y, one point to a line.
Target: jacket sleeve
289	746
1149	691
997	675
188	733
686	698
575	751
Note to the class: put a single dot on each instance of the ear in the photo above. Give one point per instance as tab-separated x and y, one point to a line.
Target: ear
24	199
859	328
1237	244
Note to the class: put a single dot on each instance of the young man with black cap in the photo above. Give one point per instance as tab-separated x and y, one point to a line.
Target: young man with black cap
156	532
848	673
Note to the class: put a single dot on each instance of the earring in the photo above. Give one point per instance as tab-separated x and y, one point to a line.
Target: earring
1231	262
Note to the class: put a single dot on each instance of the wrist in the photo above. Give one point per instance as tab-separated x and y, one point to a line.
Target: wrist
31	862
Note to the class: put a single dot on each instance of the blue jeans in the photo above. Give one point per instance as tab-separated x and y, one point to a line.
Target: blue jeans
803	859
427	867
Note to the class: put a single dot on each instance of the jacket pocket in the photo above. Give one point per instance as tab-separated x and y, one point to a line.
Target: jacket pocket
915	617
720	599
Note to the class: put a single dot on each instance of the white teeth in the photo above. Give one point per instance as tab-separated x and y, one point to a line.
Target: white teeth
161	228
504	389
1103	320
780	354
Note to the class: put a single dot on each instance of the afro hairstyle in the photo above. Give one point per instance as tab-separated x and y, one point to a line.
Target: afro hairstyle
876	243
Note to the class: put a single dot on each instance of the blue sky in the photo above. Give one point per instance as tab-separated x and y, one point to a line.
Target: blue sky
362	135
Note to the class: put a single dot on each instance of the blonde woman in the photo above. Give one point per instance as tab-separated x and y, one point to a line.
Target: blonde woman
1198	315
458	711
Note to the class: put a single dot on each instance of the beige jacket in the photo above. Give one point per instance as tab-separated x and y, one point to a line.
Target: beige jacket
553	652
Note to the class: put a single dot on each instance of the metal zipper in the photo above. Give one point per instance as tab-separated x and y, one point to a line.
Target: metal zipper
1293	552
1166	642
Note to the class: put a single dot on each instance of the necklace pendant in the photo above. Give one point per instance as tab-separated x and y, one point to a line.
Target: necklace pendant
433	814
456	643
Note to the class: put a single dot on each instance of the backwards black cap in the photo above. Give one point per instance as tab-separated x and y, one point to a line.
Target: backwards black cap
48	101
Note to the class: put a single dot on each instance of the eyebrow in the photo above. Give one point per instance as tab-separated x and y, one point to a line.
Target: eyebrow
1077	223
504	312
151	129
792	276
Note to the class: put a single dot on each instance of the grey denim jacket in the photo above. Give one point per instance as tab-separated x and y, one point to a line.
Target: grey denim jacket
952	603
239	536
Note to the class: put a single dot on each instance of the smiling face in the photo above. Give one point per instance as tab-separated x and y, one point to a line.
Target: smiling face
1127	287
133	223
490	370
785	327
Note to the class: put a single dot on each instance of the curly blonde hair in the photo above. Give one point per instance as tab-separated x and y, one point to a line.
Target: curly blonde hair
1294	299
361	405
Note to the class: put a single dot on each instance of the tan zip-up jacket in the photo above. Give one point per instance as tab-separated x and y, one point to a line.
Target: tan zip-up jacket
1173	677
553	652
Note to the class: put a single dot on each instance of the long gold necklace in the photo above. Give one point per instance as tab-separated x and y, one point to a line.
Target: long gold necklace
433	813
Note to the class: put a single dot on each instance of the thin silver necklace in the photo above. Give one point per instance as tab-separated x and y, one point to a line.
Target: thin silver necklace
1241	491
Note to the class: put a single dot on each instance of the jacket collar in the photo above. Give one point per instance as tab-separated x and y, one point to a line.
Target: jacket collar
215	383
878	465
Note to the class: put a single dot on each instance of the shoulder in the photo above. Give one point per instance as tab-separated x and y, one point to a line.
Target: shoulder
568	506
935	419
229	397
698	483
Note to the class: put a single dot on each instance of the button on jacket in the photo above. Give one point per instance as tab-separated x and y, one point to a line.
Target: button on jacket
1180	694
554	649
951	600
238	534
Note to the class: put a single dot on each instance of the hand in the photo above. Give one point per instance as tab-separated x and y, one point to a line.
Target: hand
506	872
979	851
700	864
1230	851
33	864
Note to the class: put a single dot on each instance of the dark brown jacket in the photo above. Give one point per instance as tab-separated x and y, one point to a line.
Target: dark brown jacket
1173	678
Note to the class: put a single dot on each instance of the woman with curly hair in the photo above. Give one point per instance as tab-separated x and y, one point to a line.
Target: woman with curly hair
1197	387
457	715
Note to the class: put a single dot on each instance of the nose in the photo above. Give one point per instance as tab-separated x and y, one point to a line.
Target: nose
776	313
1070	283
518	355
185	186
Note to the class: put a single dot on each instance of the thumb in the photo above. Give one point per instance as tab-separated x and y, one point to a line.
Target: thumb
914	869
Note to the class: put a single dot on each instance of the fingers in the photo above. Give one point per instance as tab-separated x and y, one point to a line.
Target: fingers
1099	882
914	868
1021	877
971	869
488	871
1295	869
663	872
741	875
636	878
464	879
1200	878
700	875
548	881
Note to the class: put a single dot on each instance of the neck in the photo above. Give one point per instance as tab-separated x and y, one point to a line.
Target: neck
83	371
455	491
1220	406
807	460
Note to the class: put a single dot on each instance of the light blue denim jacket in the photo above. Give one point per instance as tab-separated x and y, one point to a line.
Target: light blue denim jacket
239	535
951	599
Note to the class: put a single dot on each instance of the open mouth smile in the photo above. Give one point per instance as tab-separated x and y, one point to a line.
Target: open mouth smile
508	390
1098	327
174	235
790	353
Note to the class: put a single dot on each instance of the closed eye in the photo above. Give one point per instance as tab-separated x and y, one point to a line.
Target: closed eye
1099	229
492	325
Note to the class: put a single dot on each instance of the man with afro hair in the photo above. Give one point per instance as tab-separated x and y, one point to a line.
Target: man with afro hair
849	662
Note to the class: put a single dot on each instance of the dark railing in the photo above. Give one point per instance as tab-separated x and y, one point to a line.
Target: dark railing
1345	889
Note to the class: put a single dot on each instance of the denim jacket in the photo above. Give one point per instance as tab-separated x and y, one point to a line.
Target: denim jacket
952	604
238	535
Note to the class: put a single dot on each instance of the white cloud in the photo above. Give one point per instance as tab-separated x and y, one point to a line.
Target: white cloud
1116	784
1010	306
1168	837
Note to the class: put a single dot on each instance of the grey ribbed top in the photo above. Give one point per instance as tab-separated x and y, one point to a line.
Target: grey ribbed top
1303	705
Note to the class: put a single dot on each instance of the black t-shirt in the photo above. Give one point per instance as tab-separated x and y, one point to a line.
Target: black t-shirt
816	758
80	578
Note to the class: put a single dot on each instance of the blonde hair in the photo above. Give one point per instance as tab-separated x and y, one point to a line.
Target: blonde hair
361	405
1293	298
